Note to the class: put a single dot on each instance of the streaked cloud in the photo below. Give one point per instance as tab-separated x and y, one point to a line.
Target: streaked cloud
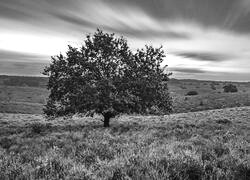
187	70
202	37
12	56
205	56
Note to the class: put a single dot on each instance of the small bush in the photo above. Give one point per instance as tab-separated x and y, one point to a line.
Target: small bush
213	87
192	93
230	88
223	121
6	142
38	128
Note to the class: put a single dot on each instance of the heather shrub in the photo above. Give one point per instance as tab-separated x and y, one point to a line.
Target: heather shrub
6	142
213	87
192	93
37	127
230	88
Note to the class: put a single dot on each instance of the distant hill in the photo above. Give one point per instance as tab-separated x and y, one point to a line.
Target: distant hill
42	81
28	95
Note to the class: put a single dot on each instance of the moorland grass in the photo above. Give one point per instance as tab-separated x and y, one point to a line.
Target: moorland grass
31	100
203	145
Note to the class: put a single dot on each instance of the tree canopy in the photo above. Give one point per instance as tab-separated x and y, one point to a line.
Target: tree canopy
105	76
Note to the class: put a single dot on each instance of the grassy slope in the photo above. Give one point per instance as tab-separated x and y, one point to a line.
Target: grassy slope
210	101
210	95
17	99
209	144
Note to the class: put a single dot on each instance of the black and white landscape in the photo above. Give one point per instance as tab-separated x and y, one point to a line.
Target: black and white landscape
125	89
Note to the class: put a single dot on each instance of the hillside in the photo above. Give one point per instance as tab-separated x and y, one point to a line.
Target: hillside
211	144
29	94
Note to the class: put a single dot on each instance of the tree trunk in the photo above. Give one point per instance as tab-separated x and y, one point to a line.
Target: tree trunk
106	121
107	116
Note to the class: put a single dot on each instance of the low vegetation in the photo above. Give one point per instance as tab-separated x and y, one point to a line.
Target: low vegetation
202	145
31	100
210	101
192	93
213	86
230	88
23	81
27	100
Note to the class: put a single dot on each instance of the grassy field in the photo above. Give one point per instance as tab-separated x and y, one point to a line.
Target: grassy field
16	99
28	95
211	144
210	95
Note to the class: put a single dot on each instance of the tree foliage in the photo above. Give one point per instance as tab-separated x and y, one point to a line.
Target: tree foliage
104	76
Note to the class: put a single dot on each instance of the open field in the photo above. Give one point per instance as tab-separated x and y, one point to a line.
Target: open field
201	145
16	99
28	95
210	101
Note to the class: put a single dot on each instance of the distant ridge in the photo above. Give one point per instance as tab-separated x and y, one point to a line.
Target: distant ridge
39	81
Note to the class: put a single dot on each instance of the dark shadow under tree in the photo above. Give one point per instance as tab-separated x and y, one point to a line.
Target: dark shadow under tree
104	76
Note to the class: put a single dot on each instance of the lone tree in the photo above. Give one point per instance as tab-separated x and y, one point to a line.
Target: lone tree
104	76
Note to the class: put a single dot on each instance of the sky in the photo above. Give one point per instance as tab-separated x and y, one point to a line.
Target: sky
202	39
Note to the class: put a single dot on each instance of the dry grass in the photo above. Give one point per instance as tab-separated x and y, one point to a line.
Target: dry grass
202	145
30	100
27	100
210	101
